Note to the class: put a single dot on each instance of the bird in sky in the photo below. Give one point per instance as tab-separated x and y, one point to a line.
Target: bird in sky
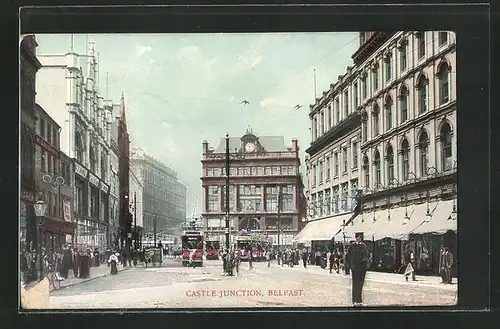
297	107
245	102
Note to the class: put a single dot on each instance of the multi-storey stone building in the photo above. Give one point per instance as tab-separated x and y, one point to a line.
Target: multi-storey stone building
136	194
163	198
29	65
70	94
402	86
262	168
333	161
54	184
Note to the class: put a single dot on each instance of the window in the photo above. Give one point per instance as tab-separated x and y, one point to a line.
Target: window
320	204
390	165
422	94
423	142
321	172
366	169
93	159
405	155
54	138
344	158
327	168
275	170
49	163
354	192
330	116
343	197
376	163
49	134
388	67
94	205
355	91
315	128
403	59
365	128
103	166
346	104
446	151
363	87
403	97
314	176
213	198
42	159
335	199
42	128
376	120
375	79
421	44
443	78
388	110
327	203
336	164
268	170
291	170
355	154
443	38
337	111
322	127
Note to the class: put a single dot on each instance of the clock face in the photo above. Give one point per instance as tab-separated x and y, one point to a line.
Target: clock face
250	147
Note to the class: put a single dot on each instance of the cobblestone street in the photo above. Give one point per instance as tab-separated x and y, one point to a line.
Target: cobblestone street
174	286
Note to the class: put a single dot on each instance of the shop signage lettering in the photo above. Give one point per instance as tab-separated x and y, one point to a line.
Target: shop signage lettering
46	145
67	210
94	180
28	196
80	170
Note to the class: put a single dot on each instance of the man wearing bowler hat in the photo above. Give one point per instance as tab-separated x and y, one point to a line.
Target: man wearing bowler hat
357	260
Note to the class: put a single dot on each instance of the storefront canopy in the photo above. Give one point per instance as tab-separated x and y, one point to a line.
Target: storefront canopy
440	221
322	229
361	224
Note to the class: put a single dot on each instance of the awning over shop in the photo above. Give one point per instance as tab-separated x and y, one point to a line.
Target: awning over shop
361	223
440	221
322	229
391	224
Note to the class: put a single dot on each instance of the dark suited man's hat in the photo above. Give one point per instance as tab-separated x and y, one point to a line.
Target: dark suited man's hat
359	234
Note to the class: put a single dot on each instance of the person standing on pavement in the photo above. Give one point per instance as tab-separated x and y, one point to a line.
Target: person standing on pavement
66	262
113	261
446	264
332	261
96	257
224	262
357	260
237	260
268	258
304	257
250	258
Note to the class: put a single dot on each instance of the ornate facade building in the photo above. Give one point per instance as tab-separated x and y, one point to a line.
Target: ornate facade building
403	88
262	169
29	65
70	95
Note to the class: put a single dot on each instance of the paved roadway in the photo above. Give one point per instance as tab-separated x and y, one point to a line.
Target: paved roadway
174	286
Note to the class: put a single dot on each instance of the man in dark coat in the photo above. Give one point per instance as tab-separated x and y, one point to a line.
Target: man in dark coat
67	261
305	254
357	260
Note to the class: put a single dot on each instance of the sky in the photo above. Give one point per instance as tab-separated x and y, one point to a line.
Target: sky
182	89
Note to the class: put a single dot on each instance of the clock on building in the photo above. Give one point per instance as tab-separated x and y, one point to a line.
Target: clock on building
250	147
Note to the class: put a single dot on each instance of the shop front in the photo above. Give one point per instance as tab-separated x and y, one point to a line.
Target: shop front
55	234
91	235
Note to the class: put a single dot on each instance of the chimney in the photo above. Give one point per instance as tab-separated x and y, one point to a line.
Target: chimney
295	147
205	147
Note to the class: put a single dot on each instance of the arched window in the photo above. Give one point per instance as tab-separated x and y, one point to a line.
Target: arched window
376	163
104	166
93	159
422	93
390	165
446	152
364	125
388	110
423	143
388	66
79	147
405	157
403	98
443	81
366	168
376	120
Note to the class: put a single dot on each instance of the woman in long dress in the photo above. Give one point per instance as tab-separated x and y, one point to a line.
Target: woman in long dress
113	260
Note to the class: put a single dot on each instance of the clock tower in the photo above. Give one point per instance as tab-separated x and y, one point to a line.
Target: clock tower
250	142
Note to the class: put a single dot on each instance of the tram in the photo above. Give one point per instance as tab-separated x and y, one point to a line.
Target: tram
192	248
212	247
255	242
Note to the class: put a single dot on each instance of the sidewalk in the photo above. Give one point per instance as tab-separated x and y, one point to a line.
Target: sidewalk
95	272
395	278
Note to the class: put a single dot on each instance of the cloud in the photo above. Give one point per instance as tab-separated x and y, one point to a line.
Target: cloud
193	60
141	50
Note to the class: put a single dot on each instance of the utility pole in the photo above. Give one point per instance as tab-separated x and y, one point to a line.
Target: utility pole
135	220
279	215
154	230
227	192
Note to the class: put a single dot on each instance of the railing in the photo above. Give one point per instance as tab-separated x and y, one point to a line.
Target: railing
254	155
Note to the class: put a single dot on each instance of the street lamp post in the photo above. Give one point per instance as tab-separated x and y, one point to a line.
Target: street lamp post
135	221
154	231
279	215
40	208
227	192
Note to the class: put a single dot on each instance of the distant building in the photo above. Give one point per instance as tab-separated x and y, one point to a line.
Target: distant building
163	195
261	169
136	196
